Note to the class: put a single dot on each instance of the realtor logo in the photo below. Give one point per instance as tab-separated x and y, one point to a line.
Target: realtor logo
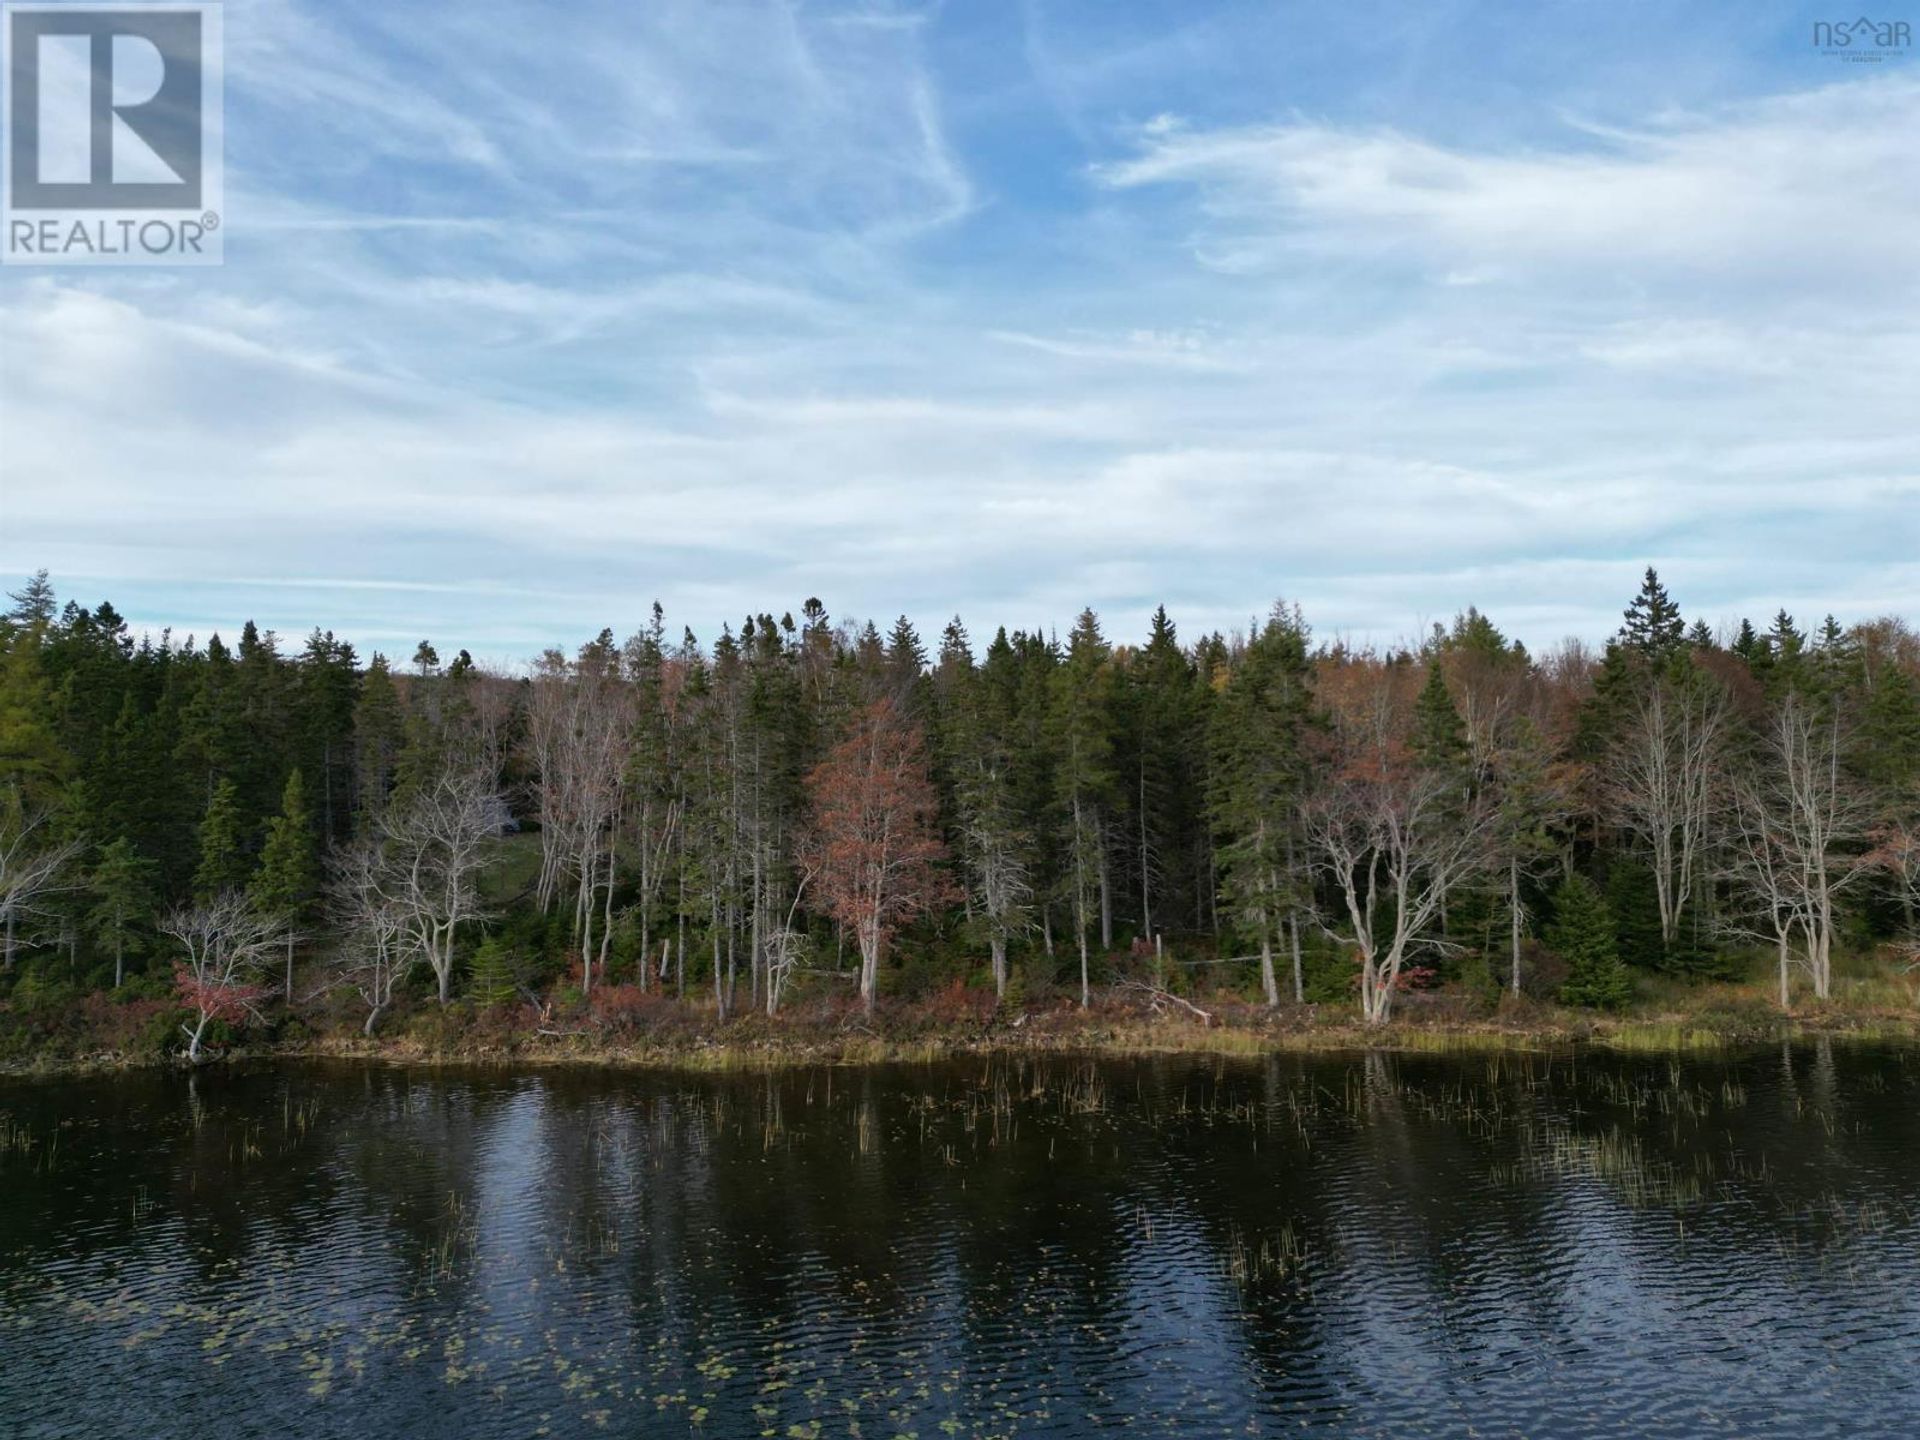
113	137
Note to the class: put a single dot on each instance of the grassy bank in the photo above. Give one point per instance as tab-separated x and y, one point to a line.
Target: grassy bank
624	1028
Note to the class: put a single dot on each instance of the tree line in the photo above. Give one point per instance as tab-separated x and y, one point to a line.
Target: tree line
805	801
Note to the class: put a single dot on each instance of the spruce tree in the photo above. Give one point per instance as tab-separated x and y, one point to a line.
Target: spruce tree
1439	737
1082	741
122	885
1582	935
32	761
1635	907
379	726
1653	623
223	845
33	603
1259	734
289	872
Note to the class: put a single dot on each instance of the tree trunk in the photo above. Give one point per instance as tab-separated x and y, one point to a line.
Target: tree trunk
1299	971
194	1034
999	967
1513	905
1106	901
1146	866
869	968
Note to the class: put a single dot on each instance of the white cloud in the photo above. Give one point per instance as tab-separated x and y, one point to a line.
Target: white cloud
1823	179
730	309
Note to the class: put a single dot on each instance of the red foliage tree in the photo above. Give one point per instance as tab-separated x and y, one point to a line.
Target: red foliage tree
873	848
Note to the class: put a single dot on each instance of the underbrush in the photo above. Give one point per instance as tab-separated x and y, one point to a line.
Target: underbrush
54	1024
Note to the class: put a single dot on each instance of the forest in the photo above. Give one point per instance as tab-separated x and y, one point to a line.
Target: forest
204	841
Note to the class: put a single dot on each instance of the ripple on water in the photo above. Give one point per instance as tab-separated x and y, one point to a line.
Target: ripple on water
1369	1247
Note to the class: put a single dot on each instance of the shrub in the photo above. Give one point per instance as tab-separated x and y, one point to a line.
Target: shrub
627	1009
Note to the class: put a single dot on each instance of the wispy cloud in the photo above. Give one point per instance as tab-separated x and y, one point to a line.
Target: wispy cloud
531	316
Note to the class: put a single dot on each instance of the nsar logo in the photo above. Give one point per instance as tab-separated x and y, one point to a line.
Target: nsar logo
1864	40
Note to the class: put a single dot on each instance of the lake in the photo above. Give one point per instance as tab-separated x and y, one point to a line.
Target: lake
1393	1245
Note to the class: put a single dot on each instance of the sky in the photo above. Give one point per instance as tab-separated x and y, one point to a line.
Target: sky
533	314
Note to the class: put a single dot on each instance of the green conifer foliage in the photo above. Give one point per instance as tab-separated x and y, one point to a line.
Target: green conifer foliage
1582	934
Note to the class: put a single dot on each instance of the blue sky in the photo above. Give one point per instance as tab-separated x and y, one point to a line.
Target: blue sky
532	314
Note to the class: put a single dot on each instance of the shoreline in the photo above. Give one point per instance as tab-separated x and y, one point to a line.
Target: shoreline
753	1043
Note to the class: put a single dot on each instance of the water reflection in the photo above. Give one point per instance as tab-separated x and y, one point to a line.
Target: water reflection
1379	1245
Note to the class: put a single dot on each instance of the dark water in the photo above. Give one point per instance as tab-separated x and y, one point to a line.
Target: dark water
1374	1246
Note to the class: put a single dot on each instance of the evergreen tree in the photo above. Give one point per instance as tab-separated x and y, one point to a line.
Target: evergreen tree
33	763
1164	768
379	727
1259	731
1082	742
124	902
33	603
1635	908
223	845
1653	626
1582	934
1890	734
1439	737
288	876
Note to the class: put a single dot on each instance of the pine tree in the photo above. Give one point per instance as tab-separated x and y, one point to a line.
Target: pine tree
1653	624
223	845
1582	934
122	886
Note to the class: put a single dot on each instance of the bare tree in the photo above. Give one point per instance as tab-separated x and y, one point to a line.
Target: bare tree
33	868
872	843
1001	888
580	739
1757	867
227	943
435	846
1664	789
1804	828
1393	844
1897	851
373	956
